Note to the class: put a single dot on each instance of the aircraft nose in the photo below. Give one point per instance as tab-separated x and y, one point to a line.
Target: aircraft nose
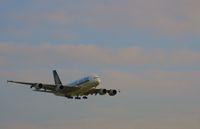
98	80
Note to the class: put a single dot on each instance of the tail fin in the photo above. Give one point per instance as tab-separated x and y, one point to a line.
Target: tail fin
56	78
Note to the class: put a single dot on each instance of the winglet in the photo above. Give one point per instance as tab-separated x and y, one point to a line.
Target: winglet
9	81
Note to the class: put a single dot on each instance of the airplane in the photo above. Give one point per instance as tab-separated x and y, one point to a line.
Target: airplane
77	89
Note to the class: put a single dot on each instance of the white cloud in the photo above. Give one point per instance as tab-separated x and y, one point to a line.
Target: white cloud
165	121
171	17
182	87
161	16
164	16
21	54
147	83
154	82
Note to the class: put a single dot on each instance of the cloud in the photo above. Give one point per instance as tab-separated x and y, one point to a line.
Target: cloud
164	121
17	32
154	82
147	83
158	16
21	126
3	61
148	99
44	54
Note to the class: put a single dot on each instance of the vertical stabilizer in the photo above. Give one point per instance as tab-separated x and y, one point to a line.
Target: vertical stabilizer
56	78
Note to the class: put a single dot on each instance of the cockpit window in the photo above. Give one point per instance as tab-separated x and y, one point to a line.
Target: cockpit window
95	77
84	80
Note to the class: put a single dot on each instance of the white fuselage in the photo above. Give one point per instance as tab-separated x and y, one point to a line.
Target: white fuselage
84	85
89	80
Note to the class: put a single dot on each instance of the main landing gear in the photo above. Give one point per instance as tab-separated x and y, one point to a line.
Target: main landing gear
69	97
77	97
84	97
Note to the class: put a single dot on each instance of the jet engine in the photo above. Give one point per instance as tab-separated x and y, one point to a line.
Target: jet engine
38	86
59	87
102	91
112	92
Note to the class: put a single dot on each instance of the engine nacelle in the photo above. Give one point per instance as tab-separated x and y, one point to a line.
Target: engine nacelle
112	92
59	88
38	86
102	91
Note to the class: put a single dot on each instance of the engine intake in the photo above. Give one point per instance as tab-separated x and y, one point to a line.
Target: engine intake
59	88
38	86
102	91
112	92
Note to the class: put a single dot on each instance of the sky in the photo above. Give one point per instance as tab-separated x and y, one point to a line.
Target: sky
149	49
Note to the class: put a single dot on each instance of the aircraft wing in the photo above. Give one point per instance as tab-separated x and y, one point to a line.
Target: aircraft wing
25	83
36	85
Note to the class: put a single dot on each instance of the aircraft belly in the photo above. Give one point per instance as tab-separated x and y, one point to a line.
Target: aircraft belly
76	91
65	91
59	94
82	89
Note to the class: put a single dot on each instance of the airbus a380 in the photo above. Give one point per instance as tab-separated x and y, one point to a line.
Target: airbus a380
77	89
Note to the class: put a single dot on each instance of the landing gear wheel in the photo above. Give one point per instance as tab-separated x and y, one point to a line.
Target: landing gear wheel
77	97
69	97
84	97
